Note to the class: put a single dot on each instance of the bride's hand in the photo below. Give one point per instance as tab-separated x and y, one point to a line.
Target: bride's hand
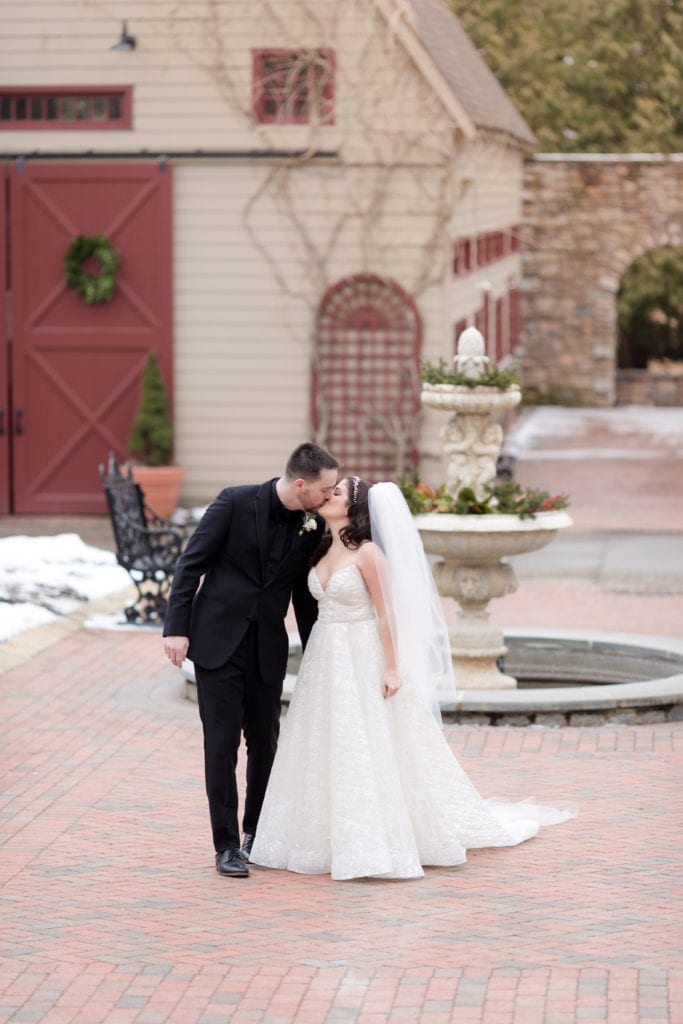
391	683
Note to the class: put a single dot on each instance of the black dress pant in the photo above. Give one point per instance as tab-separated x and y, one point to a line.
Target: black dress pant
233	699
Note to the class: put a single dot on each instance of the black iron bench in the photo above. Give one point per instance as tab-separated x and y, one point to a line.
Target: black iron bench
147	546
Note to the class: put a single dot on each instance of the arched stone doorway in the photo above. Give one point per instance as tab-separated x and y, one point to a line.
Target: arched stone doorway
586	219
366	380
650	326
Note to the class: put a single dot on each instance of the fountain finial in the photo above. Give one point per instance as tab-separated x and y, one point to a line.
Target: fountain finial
471	359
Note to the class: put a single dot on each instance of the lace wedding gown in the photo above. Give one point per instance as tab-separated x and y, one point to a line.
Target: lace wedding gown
363	786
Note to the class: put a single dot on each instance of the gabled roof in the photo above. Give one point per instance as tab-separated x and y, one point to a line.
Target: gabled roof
473	85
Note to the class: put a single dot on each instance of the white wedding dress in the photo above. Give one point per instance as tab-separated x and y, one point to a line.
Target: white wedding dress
363	786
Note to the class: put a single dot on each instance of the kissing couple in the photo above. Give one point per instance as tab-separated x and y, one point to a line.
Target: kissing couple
362	782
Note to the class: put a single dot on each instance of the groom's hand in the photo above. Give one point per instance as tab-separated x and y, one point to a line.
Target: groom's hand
175	648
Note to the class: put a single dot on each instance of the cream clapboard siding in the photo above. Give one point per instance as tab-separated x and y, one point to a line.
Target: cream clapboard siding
243	348
492	202
192	75
246	295
241	363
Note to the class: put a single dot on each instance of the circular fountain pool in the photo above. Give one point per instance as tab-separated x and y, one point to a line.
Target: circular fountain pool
567	677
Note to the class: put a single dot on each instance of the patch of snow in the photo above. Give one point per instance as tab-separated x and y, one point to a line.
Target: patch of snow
652	426
15	618
186	516
57	572
44	577
567	454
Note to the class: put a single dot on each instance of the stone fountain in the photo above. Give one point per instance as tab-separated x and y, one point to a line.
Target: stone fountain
470	548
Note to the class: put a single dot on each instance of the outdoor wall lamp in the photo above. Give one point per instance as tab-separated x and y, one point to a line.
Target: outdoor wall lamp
126	42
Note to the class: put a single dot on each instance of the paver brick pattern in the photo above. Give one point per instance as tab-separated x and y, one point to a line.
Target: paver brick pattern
112	911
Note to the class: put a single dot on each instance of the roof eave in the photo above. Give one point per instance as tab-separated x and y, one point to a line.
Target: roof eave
528	144
401	28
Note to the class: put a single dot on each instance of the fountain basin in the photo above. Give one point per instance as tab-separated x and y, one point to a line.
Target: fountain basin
478	401
484	538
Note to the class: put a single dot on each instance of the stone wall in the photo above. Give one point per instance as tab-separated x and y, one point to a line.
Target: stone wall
643	387
586	219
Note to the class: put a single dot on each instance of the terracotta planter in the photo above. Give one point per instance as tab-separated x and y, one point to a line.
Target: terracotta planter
161	486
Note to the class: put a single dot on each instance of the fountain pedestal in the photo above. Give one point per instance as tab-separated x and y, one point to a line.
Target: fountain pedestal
470	548
471	438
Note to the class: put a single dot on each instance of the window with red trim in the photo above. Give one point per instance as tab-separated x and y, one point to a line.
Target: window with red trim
488	247
293	86
514	319
66	109
499	345
462	262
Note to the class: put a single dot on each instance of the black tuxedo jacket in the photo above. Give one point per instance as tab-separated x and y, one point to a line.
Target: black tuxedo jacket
230	549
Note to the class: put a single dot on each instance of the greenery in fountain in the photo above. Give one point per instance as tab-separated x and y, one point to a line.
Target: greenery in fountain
507	498
493	377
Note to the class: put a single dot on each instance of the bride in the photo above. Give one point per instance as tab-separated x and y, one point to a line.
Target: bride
364	782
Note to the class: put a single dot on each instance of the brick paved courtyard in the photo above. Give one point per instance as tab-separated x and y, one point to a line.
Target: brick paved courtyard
112	911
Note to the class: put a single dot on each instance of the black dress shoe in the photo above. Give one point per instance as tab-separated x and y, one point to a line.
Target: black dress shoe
230	863
247	843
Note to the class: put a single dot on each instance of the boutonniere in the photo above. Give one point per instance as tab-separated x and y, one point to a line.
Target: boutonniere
308	523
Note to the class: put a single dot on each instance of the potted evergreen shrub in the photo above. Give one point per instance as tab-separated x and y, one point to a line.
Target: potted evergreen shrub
151	441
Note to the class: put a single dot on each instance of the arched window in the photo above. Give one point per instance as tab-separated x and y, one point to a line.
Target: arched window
366	380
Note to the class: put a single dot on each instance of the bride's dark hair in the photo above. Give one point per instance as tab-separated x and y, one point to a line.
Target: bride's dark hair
358	528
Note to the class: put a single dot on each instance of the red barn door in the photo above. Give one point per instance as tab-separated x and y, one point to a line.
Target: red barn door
5	397
76	367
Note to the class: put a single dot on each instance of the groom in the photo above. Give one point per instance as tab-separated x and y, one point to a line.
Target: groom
252	546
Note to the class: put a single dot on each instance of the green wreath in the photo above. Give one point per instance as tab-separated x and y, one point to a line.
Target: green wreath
92	288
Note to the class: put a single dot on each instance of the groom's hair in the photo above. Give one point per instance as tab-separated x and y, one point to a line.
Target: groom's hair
307	461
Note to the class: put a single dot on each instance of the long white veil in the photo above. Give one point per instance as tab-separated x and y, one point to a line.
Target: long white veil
418	625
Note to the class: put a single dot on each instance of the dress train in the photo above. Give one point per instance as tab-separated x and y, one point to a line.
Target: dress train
362	786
